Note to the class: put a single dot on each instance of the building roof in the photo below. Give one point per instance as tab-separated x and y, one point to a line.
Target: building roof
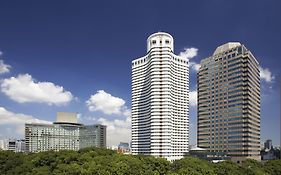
226	47
66	117
159	34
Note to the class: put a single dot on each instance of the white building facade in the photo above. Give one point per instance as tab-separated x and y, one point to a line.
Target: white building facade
160	100
64	134
12	145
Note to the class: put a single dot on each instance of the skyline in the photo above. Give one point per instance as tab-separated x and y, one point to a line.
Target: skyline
40	42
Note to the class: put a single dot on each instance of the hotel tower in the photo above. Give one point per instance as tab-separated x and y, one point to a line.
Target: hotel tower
160	100
229	103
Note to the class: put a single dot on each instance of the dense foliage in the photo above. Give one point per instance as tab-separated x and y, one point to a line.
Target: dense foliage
105	162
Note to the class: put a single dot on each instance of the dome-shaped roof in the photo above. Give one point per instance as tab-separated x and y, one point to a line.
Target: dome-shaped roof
226	47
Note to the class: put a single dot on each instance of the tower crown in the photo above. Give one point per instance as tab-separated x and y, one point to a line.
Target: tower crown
160	39
226	47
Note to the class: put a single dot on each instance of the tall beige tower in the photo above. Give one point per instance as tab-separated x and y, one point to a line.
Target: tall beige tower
229	103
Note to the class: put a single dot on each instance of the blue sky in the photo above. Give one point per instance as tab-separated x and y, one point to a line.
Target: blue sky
76	56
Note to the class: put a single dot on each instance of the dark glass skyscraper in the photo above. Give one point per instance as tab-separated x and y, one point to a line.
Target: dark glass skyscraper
229	103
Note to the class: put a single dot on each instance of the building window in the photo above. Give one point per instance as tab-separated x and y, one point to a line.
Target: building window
153	41
167	41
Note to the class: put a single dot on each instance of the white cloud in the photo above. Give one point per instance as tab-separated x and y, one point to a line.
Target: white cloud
266	75
195	66
193	98
117	130
7	117
25	89
108	104
4	68
17	120
189	53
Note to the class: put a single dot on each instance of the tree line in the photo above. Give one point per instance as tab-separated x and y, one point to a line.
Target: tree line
98	161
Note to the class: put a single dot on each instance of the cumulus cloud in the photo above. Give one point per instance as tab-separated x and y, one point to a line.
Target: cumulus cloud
190	53
4	68
117	130
193	98
24	89
195	66
266	75
8	118
108	104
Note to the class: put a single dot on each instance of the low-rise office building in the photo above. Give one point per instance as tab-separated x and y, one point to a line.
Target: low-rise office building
64	134
12	145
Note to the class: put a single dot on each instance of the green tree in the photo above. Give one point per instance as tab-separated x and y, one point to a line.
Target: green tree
191	165
273	167
10	161
43	170
69	169
252	167
227	168
157	165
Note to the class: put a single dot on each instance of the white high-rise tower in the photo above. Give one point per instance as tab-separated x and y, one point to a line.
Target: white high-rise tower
160	100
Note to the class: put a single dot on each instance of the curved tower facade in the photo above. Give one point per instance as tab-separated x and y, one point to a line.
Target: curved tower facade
160	100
